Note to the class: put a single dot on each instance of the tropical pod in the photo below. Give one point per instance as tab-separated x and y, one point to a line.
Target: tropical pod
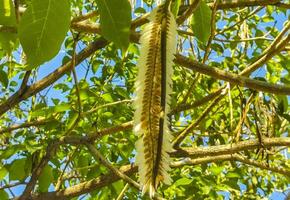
153	88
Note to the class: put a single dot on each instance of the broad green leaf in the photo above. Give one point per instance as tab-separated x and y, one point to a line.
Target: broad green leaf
175	7
7	153
42	33
118	186
45	178
3	172
7	18
108	115
183	181
140	10
282	104
83	162
62	107
7	14
107	97
17	170
3	195
115	19
4	78
216	169
72	120
200	22
233	175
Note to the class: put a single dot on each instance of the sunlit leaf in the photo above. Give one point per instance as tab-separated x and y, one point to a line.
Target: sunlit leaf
45	178
17	170
42	33
115	18
7	18
200	22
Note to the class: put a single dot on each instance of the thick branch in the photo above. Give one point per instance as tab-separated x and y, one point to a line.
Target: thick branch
51	149
87	186
225	4
261	165
209	154
234	157
51	78
24	125
231	77
229	148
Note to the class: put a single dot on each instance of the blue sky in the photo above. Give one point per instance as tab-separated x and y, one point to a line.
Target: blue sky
50	66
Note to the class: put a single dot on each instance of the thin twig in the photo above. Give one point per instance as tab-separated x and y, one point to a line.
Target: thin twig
98	156
12	185
84	16
187	130
107	105
212	31
24	125
188	12
60	178
122	193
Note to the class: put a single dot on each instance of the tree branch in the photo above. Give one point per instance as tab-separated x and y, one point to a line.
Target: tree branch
231	77
186	131
197	103
24	125
261	165
275	47
188	12
225	4
208	154
87	186
84	17
229	148
20	95
50	151
233	157
98	156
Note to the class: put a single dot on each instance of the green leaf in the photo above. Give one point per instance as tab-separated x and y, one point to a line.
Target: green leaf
17	170
118	186
233	175
8	152
7	18
175	7
72	120
200	22
4	78
216	169
83	162
7	14
107	97
115	19
45	178
3	195
139	10
42	33
108	115
183	181
3	172
282	104
62	107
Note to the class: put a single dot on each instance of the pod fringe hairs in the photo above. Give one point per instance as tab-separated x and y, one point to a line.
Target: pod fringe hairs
153	88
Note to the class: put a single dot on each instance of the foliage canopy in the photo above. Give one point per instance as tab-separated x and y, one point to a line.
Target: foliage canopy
67	75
